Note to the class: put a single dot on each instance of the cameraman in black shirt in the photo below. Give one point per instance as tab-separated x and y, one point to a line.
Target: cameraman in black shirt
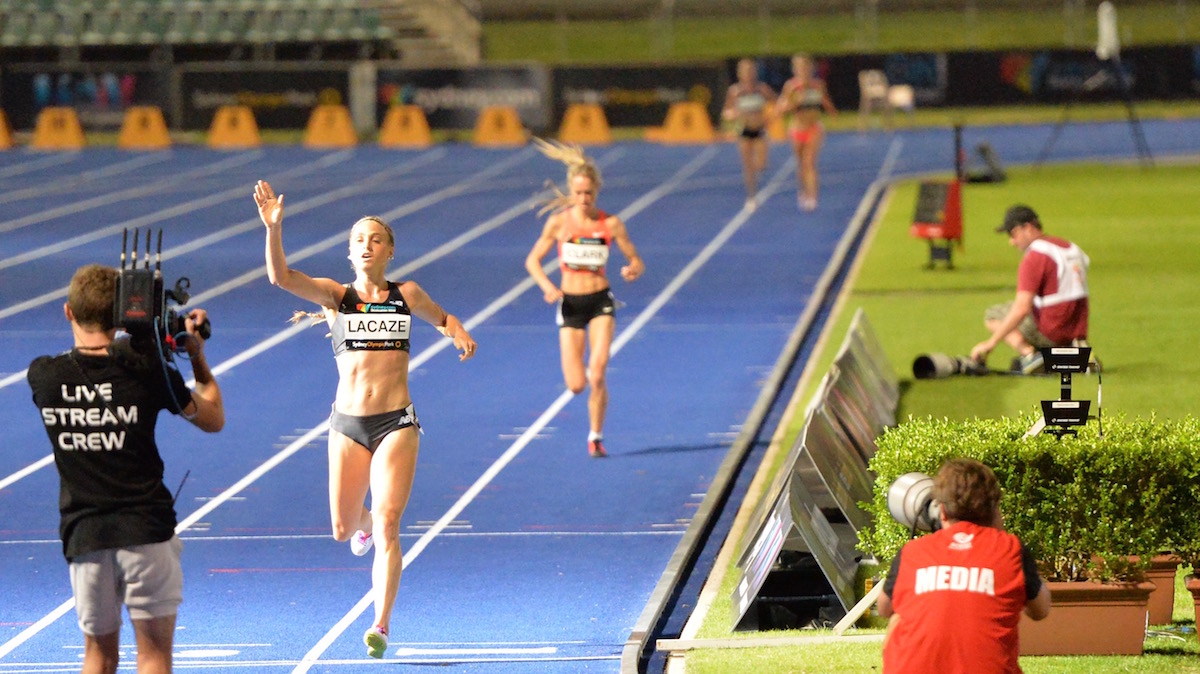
99	403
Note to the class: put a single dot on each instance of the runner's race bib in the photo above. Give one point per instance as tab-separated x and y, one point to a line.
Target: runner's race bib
375	331
584	253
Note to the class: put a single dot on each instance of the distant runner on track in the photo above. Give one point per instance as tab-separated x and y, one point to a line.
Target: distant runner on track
586	308
806	98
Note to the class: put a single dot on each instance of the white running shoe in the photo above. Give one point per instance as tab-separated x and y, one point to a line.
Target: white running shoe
361	542
751	205
376	640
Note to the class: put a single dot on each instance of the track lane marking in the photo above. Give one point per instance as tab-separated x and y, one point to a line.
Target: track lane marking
127	194
315	432
312	657
108	171
287	333
162	214
39	163
240	228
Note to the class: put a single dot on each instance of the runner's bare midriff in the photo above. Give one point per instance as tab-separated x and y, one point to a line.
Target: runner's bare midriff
582	282
372	382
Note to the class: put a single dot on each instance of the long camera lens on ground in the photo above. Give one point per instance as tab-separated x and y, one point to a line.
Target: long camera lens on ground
940	366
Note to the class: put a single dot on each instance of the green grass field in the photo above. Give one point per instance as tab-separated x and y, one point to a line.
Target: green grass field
694	39
1162	656
1141	230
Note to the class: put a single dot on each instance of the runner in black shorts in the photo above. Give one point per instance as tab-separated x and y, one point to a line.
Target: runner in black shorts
583	235
576	311
749	104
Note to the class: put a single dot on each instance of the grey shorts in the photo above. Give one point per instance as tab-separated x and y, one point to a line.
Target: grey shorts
369	431
147	579
1027	327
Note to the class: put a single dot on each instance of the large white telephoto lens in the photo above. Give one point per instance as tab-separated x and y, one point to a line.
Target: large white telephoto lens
910	500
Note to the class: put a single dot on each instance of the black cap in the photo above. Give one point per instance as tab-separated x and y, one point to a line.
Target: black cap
1016	216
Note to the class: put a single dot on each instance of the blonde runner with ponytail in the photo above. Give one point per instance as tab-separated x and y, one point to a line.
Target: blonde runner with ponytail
577	163
586	317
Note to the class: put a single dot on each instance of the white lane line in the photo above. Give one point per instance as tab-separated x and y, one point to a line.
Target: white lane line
38	626
404	210
555	407
223	665
316	432
245	226
163	214
79	178
666	531
13	378
408	652
465	660
504	644
126	194
394	214
291	331
27	470
40	163
889	160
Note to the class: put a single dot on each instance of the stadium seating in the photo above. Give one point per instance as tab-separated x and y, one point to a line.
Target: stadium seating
419	33
15	24
179	25
85	23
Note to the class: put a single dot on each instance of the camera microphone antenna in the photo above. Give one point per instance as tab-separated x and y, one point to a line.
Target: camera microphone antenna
124	245
180	488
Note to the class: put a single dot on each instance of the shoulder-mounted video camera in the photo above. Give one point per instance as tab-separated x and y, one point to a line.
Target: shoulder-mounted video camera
145	309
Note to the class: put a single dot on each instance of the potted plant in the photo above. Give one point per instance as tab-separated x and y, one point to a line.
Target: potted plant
1093	510
1162	571
1185	530
1193	586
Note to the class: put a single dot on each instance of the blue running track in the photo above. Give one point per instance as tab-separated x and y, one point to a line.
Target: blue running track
522	553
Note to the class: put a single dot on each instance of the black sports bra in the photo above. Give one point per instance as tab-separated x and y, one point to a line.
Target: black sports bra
369	326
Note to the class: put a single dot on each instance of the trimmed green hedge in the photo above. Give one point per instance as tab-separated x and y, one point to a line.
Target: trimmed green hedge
1082	505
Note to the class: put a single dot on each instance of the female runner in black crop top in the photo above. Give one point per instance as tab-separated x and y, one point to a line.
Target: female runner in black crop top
586	308
750	104
372	405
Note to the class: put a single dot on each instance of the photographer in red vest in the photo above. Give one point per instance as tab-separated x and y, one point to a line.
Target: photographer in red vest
955	596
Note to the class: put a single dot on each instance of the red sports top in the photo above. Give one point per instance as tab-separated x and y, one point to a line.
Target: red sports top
1055	271
958	594
583	244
